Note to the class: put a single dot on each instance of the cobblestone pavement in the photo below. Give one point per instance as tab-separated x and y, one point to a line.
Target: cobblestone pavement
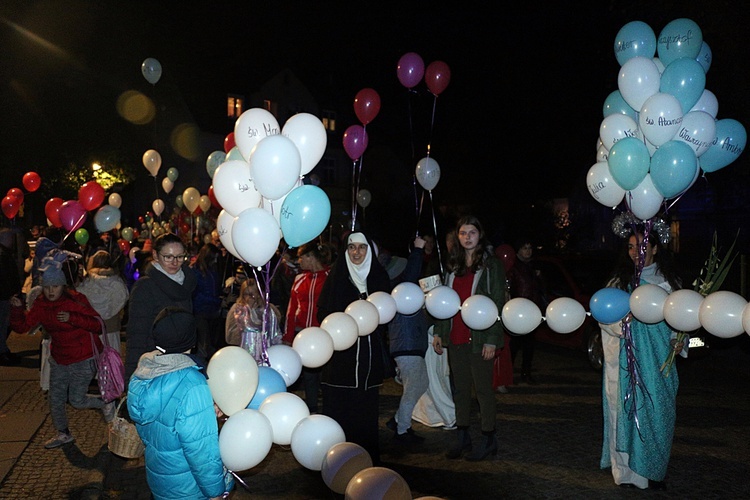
549	434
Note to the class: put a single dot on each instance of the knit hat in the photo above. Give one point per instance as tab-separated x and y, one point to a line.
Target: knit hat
52	271
174	330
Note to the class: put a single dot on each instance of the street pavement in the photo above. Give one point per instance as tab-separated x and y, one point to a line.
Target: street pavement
549	434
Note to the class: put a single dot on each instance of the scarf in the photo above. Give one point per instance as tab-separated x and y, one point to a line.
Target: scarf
358	273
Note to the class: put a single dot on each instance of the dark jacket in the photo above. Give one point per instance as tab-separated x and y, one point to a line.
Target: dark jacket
407	335
10	282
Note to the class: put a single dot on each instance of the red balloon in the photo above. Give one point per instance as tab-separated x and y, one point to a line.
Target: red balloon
52	211
437	76
15	193
31	181
212	197
410	69
91	195
507	255
10	205
355	141
366	105
229	142
124	245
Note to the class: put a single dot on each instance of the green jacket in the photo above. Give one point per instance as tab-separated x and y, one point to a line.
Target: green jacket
488	281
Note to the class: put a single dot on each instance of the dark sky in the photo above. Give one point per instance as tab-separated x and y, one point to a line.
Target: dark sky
519	119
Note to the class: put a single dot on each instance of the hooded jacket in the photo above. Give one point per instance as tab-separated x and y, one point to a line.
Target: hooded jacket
107	293
171	405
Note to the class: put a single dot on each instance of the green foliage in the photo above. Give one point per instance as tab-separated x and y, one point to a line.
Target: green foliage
715	268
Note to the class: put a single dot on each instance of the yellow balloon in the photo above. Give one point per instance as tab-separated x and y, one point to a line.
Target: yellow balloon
191	199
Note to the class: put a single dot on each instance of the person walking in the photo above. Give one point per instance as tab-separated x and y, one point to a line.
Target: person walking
207	300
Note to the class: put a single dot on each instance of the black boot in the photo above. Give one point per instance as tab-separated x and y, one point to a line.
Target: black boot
489	448
461	444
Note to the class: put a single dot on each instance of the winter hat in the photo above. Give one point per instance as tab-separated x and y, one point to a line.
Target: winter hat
52	271
174	330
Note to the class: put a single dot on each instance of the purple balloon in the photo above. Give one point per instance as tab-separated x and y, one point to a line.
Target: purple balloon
72	215
355	141
410	69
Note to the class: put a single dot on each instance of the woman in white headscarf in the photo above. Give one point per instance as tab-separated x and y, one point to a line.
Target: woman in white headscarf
352	377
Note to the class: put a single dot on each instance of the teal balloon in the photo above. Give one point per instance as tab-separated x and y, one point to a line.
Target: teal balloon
172	174
304	214
628	162
213	161
609	305
731	139
178	201
673	168
106	218
234	154
635	39
705	57
686	80
270	382
614	103
679	38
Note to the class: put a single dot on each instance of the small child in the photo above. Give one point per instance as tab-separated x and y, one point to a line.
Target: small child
172	407
70	320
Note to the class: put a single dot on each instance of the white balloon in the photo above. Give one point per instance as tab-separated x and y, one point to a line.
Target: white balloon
565	315
224	223
521	316
602	186
245	440
479	312
152	161
232	378
385	304
602	154
442	302
660	118
708	103
309	135
681	310
365	314
341	463
313	437
167	185
409	298
233	188
647	303
721	314
275	166
746	319
639	79
645	200
151	70
204	202
615	127
256	236
698	130
284	411
428	173
314	346
286	361
342	328
274	207
115	200
252	126
157	206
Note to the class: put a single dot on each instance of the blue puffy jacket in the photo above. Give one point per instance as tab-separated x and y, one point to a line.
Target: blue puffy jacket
171	405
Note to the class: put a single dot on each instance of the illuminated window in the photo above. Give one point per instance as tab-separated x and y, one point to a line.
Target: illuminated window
329	120
235	105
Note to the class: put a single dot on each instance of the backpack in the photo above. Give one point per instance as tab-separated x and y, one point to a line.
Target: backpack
111	371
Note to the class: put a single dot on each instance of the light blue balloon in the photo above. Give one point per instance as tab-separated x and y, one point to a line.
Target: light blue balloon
673	168
304	214
269	382
213	161
635	39
235	154
628	162
731	139
615	103
609	305
685	79
106	218
705	57
679	38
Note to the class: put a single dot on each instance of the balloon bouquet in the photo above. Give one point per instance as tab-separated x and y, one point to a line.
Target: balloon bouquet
13	201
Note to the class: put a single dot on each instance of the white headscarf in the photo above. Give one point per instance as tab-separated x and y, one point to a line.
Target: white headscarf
359	272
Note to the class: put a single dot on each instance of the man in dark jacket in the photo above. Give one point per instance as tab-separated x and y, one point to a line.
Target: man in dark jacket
10	285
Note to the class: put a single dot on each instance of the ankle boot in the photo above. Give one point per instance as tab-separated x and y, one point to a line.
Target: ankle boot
461	444
489	447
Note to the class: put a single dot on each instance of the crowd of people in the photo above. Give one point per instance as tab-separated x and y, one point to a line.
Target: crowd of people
176	304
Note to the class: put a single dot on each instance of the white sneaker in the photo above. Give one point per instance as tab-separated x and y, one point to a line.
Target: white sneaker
59	440
109	411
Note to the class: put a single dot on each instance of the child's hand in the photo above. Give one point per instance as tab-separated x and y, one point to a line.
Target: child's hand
63	316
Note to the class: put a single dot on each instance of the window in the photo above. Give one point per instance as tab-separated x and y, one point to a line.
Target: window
329	120
235	105
271	106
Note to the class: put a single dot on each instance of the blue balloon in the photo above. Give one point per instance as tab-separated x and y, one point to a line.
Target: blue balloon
628	162
673	168
685	79
679	38
269	382
731	138
635	39
610	305
106	218
304	214
705	57
213	161
615	103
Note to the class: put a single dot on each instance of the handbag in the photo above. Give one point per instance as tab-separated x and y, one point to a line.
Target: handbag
110	370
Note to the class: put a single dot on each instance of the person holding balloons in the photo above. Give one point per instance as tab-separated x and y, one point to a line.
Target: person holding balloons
639	405
244	325
352	377
473	269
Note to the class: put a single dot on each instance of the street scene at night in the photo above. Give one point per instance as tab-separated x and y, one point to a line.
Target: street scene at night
374	251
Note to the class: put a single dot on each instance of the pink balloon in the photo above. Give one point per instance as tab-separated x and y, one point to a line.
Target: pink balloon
437	76
355	141
366	105
72	215
410	69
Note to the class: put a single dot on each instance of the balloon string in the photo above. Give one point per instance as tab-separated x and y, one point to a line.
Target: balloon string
239	480
354	193
434	229
432	125
413	153
75	227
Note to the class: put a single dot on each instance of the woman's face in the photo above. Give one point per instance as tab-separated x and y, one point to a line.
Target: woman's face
307	261
53	292
524	253
468	236
634	247
170	257
251	295
357	252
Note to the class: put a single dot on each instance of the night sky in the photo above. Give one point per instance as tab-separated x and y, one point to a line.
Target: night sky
518	122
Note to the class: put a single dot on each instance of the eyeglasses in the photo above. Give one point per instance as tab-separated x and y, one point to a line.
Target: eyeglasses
172	258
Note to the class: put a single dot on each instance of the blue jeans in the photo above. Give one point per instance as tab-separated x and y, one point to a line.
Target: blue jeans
413	372
70	383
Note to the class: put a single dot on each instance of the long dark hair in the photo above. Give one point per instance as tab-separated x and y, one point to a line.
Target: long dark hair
626	268
457	257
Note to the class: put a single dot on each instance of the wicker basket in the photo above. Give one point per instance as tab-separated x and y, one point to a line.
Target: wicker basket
123	436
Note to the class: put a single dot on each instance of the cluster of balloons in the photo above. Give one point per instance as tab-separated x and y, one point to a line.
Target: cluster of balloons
660	128
72	214
13	199
411	69
366	107
259	185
